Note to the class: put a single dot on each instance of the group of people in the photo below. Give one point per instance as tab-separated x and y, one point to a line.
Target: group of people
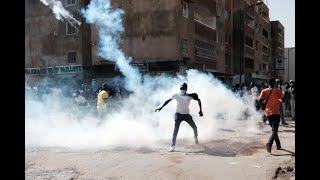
270	99
101	95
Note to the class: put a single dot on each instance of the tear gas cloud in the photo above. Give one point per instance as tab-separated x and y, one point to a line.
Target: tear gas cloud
59	11
52	122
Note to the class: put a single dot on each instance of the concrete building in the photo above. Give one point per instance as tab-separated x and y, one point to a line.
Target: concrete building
289	68
277	50
252	41
161	36
174	35
53	48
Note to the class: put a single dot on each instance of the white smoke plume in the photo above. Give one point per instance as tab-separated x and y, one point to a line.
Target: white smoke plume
134	122
109	24
59	11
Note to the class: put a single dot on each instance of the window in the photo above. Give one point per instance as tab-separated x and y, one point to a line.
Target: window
257	45
265	33
227	59
185	9
264	67
265	50
70	2
71	28
72	57
227	15
185	46
249	63
248	41
205	50
227	38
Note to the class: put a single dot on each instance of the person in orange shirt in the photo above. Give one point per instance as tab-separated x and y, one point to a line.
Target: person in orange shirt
271	97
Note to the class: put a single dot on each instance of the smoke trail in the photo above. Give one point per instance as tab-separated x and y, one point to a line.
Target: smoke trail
59	11
109	25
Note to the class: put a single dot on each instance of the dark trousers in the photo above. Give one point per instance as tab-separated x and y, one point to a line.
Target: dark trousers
274	121
281	113
178	119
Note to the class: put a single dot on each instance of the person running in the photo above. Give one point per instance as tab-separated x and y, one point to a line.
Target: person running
270	98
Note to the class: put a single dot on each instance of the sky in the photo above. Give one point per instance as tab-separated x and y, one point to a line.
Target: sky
284	11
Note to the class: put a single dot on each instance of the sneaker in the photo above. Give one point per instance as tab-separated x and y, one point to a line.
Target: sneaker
172	148
279	148
284	123
268	146
196	140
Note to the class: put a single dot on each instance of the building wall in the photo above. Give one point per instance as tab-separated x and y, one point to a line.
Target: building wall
155	30
150	30
277	32
289	69
255	60
46	42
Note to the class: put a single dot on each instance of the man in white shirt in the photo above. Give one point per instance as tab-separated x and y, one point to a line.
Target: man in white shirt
292	95
182	112
81	102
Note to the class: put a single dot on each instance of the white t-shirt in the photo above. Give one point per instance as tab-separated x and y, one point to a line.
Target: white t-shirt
254	92
80	100
183	103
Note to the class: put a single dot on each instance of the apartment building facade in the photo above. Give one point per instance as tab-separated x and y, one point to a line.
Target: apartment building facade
55	50
171	36
167	36
252	41
277	50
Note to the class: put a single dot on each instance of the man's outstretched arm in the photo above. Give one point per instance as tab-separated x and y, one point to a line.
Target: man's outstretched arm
165	103
196	97
200	112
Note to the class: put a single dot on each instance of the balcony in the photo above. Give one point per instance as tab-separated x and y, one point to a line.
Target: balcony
206	5
205	31
264	23
248	29
264	40
210	64
248	51
265	58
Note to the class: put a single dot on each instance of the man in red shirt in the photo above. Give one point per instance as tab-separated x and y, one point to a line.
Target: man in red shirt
271	97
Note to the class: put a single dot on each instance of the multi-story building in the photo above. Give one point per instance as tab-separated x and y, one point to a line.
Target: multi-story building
252	41
277	50
289	64
161	36
174	35
53	48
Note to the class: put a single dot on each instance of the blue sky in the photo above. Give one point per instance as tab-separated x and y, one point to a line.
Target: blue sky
284	11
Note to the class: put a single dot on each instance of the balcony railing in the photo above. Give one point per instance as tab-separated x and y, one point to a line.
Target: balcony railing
249	51
205	31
